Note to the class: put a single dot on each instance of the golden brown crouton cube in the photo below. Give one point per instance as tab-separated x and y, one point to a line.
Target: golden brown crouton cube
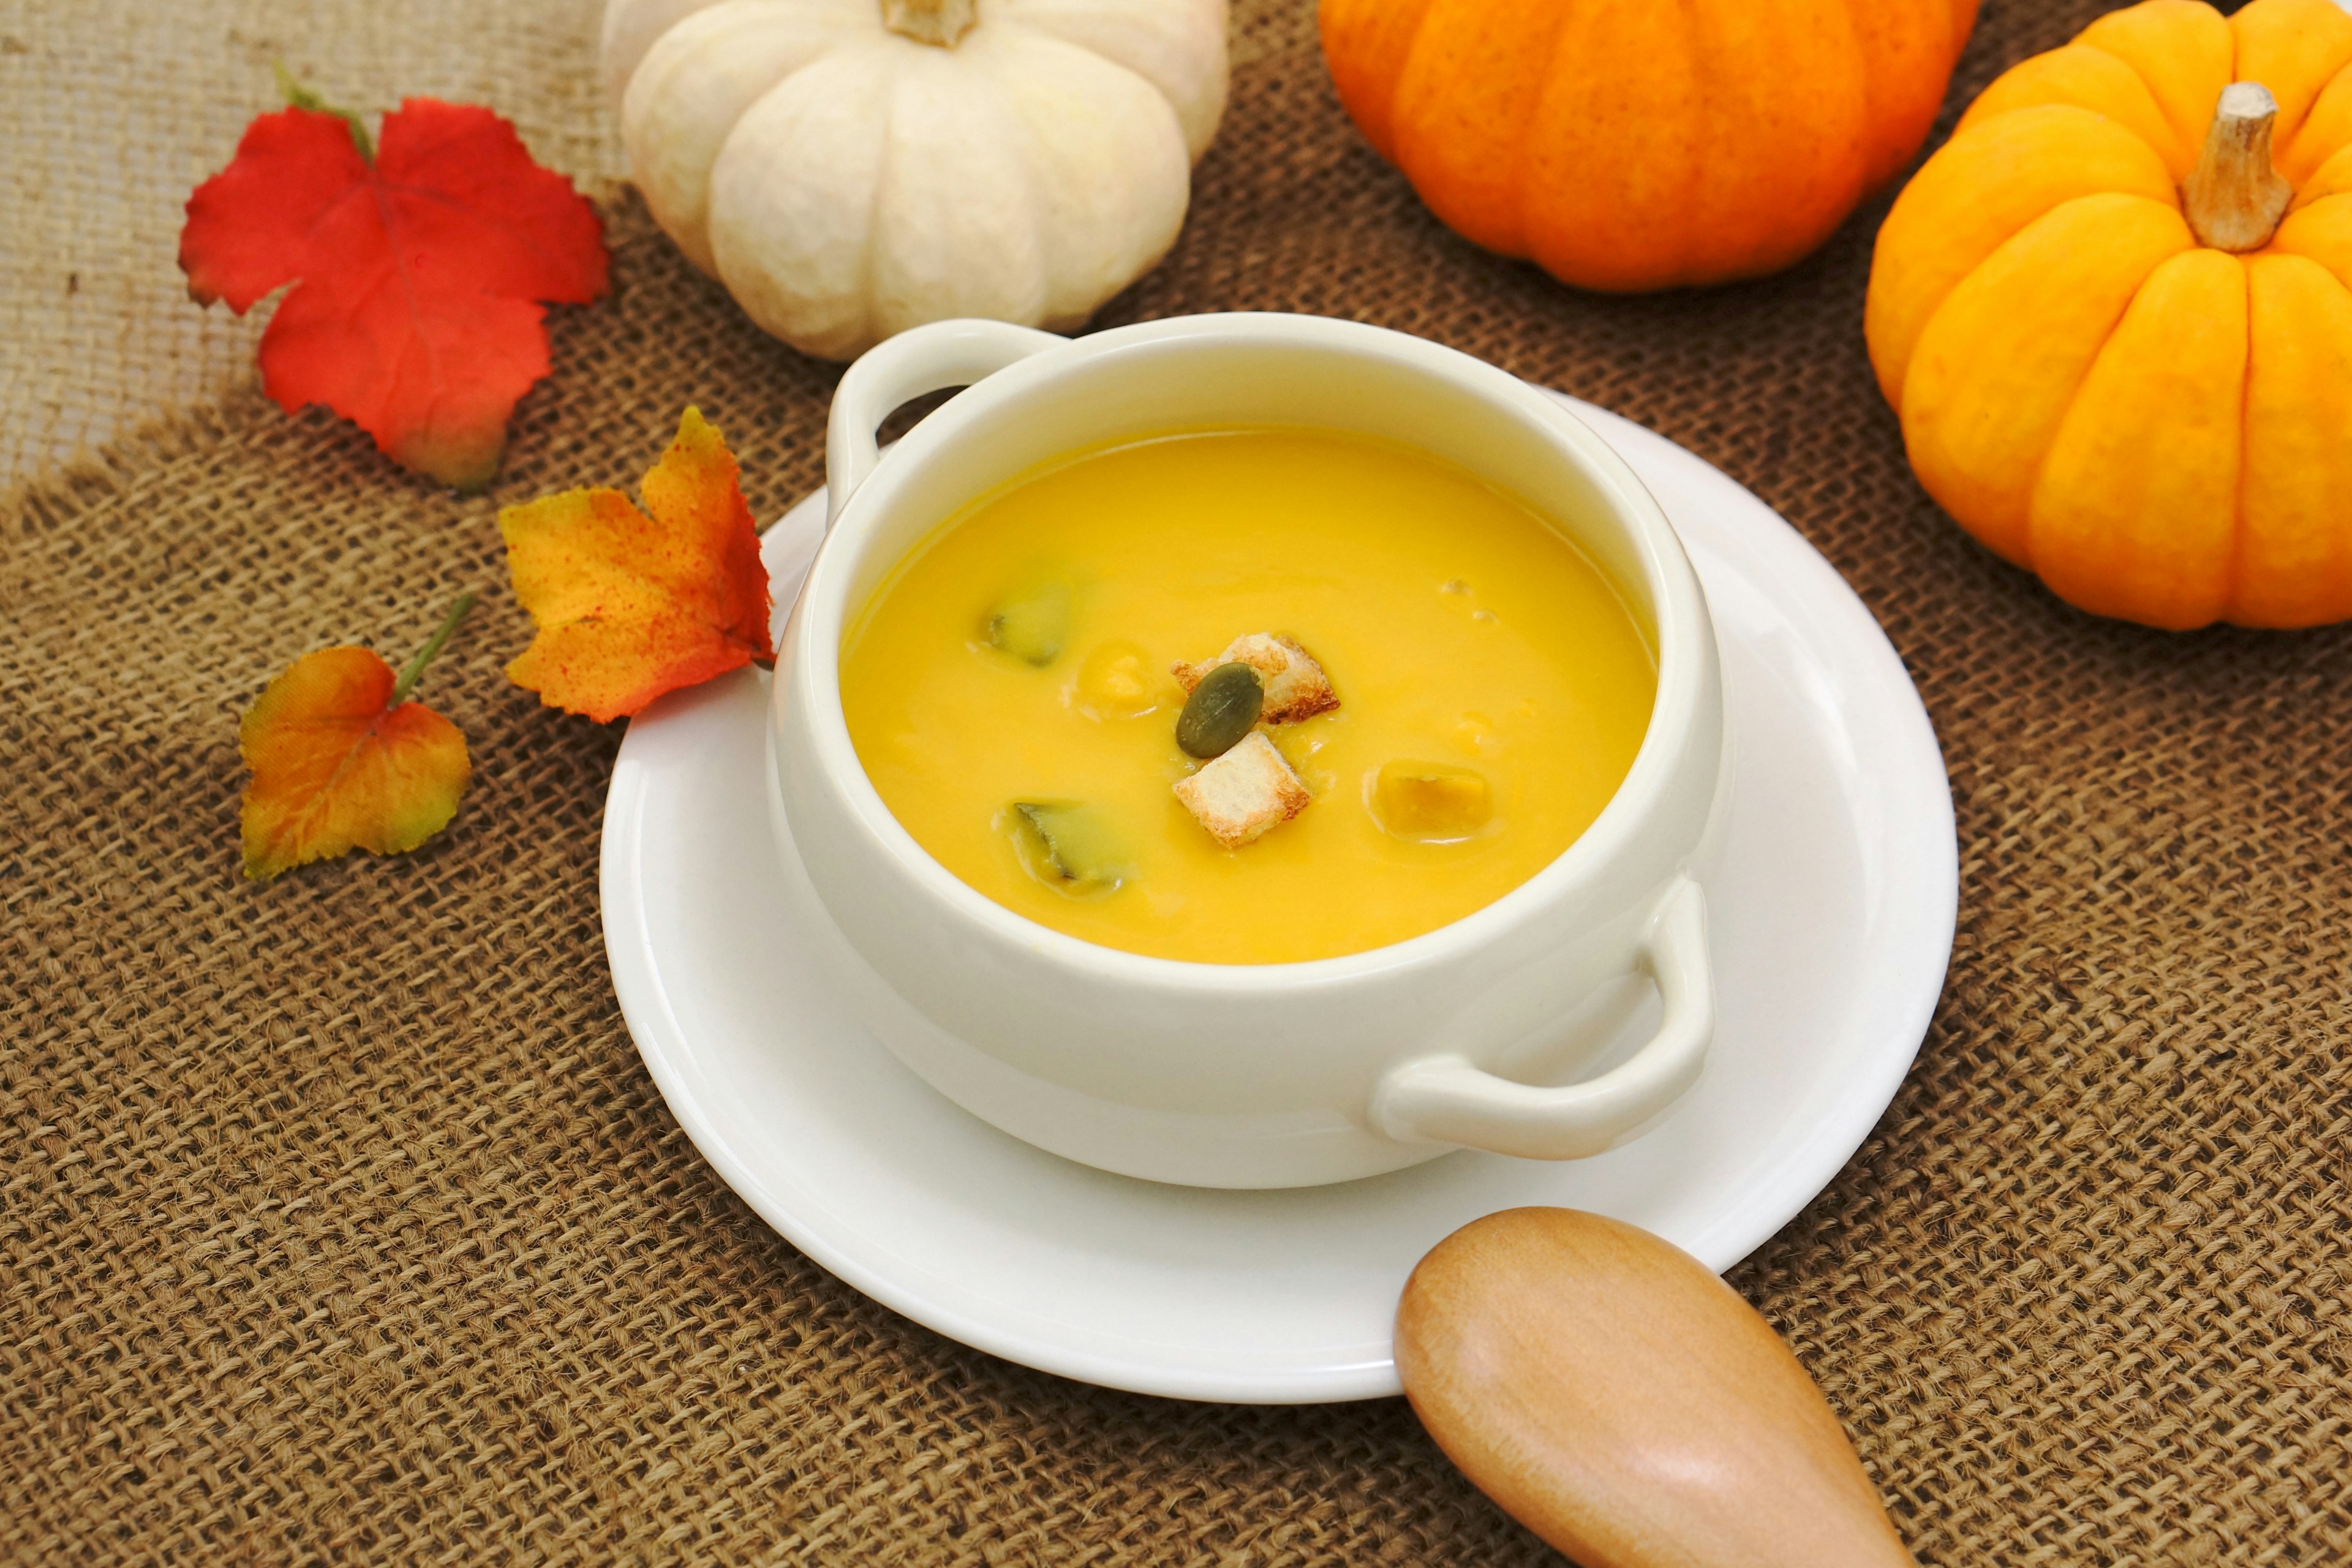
1241	794
1295	686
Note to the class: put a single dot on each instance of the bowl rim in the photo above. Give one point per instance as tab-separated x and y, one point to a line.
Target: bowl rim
1677	603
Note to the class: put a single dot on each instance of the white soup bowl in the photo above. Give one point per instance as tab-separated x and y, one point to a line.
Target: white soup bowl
1258	1075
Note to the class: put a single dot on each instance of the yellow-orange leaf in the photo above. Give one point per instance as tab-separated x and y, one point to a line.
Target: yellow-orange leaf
338	765
629	606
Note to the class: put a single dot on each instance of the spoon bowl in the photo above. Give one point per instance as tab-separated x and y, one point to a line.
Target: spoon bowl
1608	1392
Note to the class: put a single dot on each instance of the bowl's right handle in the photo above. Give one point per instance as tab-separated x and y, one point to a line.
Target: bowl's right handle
919	360
1449	1099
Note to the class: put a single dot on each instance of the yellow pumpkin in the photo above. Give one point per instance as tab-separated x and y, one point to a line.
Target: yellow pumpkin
2114	313
1633	144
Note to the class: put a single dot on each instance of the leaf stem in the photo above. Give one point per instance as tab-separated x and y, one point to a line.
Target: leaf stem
299	97
407	682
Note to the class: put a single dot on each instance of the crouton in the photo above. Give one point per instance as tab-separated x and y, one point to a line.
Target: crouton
1241	794
1295	686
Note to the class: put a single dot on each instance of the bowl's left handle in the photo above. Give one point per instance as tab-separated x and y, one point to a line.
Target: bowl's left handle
921	359
1450	1099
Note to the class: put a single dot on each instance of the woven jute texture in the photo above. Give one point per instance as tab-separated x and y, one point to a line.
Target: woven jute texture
339	1220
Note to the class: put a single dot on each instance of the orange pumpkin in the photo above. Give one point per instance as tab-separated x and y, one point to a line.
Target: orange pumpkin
1633	144
2115	364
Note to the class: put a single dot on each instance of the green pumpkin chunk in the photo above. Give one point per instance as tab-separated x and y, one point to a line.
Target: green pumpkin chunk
1031	621
1069	846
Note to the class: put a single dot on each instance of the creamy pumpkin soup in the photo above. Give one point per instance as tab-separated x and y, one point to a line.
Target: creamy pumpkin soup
1246	696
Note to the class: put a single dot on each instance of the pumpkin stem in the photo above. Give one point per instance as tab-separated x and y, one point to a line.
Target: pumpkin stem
940	22
2233	199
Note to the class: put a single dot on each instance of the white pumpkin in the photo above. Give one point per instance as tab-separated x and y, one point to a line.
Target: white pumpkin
851	168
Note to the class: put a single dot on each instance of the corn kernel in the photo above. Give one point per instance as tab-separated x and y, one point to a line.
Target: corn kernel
1474	736
1116	681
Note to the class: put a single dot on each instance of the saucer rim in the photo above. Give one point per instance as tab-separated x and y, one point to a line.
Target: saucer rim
1918	920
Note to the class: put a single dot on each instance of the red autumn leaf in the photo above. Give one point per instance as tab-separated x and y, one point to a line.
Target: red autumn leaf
341	761
415	271
629	606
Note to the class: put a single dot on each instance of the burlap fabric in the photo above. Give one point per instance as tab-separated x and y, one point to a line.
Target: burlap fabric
339	1220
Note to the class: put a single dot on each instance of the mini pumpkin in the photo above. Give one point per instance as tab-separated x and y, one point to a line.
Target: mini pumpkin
2115	314
1633	144
851	168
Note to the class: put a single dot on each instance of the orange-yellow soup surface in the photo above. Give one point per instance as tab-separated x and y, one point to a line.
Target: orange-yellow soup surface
1457	625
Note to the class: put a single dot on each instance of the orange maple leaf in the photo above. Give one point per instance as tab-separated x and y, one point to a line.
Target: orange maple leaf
341	760
630	606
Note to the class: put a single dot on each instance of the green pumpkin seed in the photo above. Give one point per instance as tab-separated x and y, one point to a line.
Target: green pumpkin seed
1221	710
1070	845
1032	621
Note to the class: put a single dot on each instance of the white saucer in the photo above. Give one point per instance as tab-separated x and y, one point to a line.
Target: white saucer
1832	918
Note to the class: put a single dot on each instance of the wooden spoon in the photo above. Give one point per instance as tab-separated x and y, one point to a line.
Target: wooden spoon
1625	1405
